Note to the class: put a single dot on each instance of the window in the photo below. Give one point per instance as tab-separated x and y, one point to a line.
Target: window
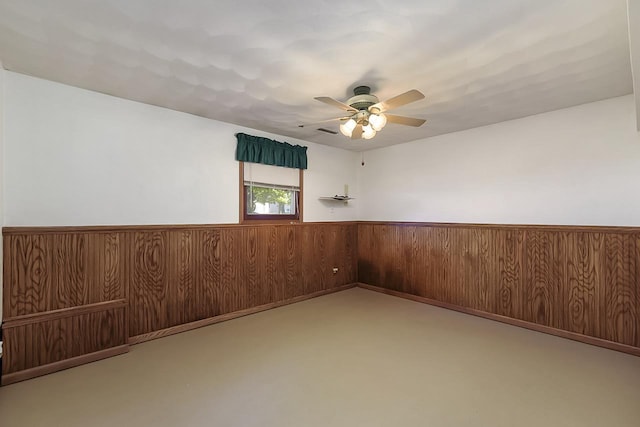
266	199
270	193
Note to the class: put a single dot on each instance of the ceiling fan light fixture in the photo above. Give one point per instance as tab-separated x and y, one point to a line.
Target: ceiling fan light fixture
347	127
378	121
368	132
365	112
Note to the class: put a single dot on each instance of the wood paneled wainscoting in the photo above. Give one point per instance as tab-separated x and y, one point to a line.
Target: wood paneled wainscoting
79	294
581	283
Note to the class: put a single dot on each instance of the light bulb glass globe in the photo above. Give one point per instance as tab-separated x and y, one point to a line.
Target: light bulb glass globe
348	127
368	132
378	121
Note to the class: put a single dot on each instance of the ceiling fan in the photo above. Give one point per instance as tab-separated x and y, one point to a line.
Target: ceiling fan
366	115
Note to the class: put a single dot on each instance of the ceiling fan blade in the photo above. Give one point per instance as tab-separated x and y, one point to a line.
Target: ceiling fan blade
357	132
303	125
333	102
398	101
402	120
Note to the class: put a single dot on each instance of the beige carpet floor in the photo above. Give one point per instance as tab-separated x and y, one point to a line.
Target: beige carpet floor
355	358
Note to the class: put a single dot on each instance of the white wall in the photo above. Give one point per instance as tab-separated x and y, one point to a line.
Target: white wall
579	165
78	157
331	170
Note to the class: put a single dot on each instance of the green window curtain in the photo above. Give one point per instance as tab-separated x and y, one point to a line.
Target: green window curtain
256	149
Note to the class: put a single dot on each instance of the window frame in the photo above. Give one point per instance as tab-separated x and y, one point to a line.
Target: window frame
246	218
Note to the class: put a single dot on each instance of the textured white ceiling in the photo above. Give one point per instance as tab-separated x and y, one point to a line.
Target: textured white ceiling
259	63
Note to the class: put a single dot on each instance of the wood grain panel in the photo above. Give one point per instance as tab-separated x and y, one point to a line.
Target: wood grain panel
545	278
456	277
106	261
167	277
486	276
290	243
149	281
314	260
27	274
350	236
405	256
182	270
183	276
69	271
232	264
47	341
345	254
621	289
367	270
54	271
438	262
510	266
208	265
584	294
581	280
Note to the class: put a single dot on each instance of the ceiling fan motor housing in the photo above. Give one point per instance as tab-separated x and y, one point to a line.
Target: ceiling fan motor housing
362	99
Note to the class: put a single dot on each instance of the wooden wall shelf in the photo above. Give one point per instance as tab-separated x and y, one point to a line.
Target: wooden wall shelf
337	198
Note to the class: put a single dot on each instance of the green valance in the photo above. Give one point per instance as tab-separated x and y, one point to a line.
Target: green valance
256	149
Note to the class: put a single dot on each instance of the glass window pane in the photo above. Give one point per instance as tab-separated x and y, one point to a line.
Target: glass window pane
270	201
